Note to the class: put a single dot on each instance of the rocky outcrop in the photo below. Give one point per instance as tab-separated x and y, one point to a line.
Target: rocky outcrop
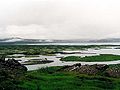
96	69
70	68
11	66
87	69
113	72
10	73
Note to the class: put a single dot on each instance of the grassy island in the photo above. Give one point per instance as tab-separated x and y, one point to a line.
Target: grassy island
100	58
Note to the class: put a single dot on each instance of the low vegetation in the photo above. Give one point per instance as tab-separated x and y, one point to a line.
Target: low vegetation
41	49
14	76
101	57
53	79
36	61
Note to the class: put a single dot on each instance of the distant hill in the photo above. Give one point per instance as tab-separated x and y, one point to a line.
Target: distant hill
106	40
16	40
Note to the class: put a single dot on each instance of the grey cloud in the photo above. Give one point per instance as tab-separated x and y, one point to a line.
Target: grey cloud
60	19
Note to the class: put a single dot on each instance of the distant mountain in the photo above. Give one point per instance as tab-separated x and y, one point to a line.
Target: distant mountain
16	40
106	40
10	39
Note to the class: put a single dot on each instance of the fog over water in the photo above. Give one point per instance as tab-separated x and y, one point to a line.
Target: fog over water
60	19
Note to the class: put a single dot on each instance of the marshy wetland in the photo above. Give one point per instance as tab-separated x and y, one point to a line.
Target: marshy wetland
35	57
64	67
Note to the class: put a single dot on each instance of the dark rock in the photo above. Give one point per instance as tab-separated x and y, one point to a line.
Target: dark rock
12	67
2	59
64	68
113	72
78	64
102	66
13	64
87	69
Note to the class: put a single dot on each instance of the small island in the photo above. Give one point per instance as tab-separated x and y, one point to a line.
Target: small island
97	58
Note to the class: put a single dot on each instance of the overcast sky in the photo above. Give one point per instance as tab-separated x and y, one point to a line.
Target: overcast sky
60	19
